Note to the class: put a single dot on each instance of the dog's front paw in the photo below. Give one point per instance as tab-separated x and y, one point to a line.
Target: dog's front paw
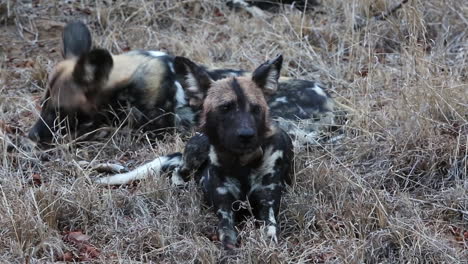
272	234
228	238
177	179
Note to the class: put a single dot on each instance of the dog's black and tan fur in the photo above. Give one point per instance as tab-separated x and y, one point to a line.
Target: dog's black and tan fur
91	87
89	84
150	90
249	158
302	108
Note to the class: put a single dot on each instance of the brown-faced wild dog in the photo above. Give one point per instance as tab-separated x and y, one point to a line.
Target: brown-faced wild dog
249	158
304	109
148	90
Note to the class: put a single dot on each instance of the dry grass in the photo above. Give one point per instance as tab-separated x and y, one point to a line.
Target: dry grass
393	191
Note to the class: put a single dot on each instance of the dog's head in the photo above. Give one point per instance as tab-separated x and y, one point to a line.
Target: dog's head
74	84
235	114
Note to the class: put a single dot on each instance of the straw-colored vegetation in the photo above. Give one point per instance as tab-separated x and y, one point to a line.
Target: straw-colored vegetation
394	190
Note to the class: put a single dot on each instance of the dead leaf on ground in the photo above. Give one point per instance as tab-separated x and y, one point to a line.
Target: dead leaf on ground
25	64
36	179
86	250
67	256
8	128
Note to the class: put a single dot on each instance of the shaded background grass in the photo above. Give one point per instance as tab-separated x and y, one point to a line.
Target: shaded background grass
394	190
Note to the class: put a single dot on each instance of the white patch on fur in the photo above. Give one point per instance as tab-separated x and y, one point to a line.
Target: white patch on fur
271	216
307	131
301	110
221	235
272	233
303	137
89	70
233	186
142	172
281	99
221	190
176	179
257	186
180	95
269	160
271	187
213	157
272	227
226	215
255	11
268	164
319	90
156	53
329	106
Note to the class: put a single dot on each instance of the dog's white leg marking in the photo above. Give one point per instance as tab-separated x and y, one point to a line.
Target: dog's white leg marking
176	179
142	172
226	230
271	229
222	190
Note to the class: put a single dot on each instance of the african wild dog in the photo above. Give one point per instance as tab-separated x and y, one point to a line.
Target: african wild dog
91	87
302	108
249	158
91	83
148	90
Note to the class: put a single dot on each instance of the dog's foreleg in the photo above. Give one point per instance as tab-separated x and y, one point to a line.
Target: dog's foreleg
267	201
222	194
155	167
226	232
268	186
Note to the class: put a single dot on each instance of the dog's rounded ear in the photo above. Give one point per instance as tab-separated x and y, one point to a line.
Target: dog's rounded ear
267	74
76	40
197	79
93	68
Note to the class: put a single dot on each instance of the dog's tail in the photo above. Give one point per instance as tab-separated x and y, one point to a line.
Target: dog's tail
168	163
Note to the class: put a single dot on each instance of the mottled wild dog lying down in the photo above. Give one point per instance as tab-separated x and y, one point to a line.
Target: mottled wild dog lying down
249	158
302	108
91	87
89	84
147	89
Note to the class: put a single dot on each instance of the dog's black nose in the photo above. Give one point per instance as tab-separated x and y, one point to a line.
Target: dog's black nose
245	135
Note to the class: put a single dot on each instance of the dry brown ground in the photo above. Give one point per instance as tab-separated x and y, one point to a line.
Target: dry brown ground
393	191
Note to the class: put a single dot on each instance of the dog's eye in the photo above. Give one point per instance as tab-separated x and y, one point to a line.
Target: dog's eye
255	109
226	107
